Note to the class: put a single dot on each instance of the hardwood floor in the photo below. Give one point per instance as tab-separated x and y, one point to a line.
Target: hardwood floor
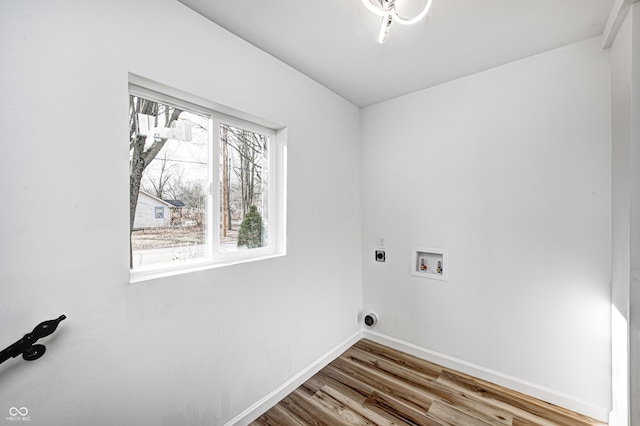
371	384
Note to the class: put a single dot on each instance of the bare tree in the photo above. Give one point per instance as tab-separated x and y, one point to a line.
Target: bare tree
161	182
225	187
244	154
194	196
173	189
141	155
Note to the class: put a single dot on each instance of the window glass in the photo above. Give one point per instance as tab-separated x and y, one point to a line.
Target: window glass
244	170
169	177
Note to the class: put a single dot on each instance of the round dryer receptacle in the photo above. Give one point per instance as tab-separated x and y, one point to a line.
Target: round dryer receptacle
370	319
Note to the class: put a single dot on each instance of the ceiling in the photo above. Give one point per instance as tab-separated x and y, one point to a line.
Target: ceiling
335	41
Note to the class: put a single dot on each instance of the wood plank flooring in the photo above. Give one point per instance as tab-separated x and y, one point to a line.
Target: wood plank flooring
371	384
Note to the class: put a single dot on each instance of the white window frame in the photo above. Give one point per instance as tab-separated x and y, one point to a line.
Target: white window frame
276	185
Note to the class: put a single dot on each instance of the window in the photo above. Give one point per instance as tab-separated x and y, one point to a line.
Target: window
160	212
214	184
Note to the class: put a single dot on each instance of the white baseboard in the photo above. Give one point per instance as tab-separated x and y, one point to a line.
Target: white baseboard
537	391
260	407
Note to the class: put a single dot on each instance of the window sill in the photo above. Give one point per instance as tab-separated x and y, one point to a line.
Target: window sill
181	269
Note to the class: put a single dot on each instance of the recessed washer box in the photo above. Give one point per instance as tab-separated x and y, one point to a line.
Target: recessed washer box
429	262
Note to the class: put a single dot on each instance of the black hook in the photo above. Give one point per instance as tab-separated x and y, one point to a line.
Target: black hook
26	346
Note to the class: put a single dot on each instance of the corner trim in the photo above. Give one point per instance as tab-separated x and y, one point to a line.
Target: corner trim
537	391
260	407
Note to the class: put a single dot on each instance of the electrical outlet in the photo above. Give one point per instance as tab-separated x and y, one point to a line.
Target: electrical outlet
380	256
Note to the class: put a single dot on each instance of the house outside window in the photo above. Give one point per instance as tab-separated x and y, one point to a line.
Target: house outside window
217	182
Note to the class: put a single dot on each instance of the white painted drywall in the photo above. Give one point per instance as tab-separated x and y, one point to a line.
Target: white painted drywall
510	170
634	192
635	219
185	350
635	222
621	84
625	66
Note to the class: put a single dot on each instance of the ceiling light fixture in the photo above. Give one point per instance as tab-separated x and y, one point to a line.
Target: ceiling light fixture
387	10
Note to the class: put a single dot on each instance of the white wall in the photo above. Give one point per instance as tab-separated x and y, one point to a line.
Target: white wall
192	349
621	55
626	216
635	219
635	222
510	170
